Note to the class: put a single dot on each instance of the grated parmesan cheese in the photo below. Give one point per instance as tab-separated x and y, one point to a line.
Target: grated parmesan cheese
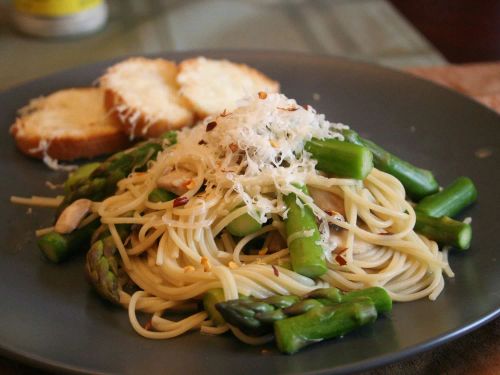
260	143
49	161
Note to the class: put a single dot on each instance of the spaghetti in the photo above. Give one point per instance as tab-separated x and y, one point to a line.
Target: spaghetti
245	164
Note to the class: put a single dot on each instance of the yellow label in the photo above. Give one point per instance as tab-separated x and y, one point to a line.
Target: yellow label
54	8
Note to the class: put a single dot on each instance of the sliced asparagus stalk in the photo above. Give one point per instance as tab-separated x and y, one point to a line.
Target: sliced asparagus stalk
323	322
418	182
101	183
444	230
451	200
306	253
57	247
340	158
210	299
256	316
243	226
82	173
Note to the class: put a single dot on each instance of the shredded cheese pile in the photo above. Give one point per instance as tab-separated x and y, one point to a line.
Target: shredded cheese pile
261	143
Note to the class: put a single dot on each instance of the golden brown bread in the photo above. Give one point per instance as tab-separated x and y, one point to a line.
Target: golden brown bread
143	95
66	125
212	86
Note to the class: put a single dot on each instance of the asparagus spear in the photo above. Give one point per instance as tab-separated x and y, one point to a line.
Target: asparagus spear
379	296
210	299
102	181
444	230
104	267
418	182
83	172
323	322
449	201
256	316
306	253
340	158
57	247
161	195
243	226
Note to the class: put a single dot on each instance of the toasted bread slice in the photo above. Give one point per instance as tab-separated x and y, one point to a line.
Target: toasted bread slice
143	95
212	86
68	124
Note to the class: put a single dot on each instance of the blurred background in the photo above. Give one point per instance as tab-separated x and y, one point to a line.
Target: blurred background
393	33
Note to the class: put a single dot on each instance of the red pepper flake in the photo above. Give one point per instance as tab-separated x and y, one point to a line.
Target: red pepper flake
148	325
233	147
202	142
340	260
181	201
211	125
290	109
262	95
275	270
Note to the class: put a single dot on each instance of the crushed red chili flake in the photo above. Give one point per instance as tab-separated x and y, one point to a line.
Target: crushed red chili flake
181	201
275	270
148	325
340	260
262	95
202	142
211	125
233	147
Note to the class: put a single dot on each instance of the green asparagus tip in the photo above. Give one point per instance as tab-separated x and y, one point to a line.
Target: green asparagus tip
83	172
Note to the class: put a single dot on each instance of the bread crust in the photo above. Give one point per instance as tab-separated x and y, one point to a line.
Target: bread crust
92	141
67	149
135	122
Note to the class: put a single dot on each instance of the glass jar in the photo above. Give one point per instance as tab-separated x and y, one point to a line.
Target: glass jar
52	18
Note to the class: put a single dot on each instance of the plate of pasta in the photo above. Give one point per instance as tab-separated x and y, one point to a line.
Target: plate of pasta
251	211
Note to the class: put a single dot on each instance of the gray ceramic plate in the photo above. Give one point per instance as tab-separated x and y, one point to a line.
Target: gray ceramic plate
51	319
